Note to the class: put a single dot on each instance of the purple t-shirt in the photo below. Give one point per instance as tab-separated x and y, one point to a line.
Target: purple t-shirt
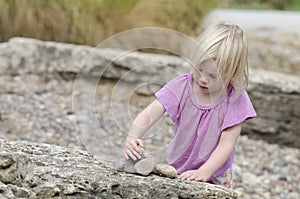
197	127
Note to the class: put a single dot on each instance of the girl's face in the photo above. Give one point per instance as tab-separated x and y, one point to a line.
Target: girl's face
207	77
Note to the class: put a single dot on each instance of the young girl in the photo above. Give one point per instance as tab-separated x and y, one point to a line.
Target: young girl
207	106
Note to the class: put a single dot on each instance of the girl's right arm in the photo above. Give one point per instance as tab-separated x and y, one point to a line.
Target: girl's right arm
150	115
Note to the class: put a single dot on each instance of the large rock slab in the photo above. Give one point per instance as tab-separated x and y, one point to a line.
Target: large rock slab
26	55
31	170
276	98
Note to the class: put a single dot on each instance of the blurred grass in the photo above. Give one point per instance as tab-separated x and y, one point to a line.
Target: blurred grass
91	21
80	21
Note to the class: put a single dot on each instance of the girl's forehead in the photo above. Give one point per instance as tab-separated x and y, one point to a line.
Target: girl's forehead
206	60
209	62
208	65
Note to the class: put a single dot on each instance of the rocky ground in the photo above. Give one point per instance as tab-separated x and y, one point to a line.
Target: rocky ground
40	109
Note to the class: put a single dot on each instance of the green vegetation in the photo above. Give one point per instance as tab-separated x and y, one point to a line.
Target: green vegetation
91	21
75	21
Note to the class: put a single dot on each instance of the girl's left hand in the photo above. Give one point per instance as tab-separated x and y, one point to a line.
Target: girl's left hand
197	175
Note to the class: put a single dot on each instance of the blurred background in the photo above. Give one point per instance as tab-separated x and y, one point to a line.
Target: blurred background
37	78
91	21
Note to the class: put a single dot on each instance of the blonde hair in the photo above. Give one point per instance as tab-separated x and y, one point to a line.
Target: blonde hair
227	45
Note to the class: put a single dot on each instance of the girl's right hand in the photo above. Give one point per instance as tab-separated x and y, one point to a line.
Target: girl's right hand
133	148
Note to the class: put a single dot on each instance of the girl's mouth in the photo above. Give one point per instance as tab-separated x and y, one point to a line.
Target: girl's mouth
203	87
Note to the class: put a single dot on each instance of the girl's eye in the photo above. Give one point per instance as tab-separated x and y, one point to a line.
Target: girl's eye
213	76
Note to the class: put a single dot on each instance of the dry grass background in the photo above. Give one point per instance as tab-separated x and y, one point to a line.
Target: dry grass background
91	21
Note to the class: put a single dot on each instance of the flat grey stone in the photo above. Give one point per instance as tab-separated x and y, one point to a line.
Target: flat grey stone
144	166
166	170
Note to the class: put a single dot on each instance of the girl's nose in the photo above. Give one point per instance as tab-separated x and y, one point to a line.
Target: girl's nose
203	79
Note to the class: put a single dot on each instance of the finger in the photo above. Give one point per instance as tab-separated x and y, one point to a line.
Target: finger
140	143
183	176
200	179
131	155
134	147
190	178
125	154
135	152
127	151
186	173
187	178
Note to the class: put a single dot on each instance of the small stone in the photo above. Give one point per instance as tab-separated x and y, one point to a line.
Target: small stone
5	161
281	163
3	187
40	91
294	195
69	189
120	165
144	166
21	192
129	166
166	170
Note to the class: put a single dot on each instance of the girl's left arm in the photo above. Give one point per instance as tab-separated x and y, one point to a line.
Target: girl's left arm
219	156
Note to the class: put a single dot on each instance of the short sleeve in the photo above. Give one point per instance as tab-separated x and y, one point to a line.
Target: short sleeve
171	95
238	111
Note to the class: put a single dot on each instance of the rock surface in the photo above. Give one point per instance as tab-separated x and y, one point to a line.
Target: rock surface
31	170
38	107
24	55
275	96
